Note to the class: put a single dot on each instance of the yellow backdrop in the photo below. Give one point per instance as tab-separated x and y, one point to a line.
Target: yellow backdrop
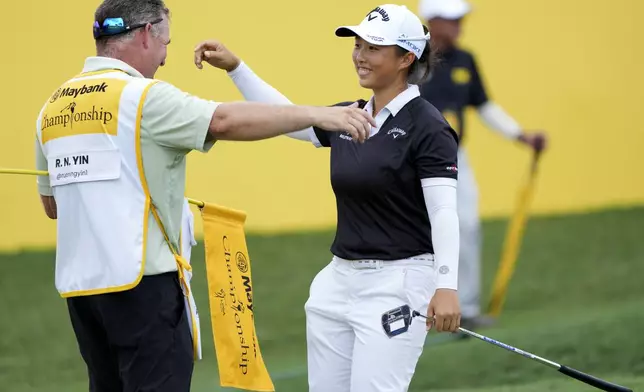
563	66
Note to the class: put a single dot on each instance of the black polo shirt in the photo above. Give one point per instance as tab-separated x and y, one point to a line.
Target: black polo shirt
381	211
455	84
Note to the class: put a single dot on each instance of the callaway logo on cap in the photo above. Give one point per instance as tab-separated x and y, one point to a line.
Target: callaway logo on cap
390	24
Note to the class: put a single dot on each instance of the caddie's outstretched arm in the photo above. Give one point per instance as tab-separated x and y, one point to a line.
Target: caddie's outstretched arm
246	121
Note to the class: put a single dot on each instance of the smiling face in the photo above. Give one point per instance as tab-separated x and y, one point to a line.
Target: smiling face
379	66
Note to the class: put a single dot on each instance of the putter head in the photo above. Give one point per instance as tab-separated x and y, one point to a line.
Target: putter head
396	321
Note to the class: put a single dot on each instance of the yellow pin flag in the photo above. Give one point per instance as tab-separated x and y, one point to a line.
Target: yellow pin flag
230	293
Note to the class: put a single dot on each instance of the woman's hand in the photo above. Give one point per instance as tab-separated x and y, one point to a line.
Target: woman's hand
216	54
444	311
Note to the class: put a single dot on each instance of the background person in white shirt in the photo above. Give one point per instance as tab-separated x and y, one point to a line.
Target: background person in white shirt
396	242
455	85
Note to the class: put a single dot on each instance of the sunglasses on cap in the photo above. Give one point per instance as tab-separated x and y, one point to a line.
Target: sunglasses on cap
116	26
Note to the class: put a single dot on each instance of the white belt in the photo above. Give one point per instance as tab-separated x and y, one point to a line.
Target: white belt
426	260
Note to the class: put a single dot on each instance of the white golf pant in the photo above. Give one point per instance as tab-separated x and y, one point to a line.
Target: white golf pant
348	350
469	268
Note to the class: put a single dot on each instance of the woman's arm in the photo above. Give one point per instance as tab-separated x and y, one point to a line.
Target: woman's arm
255	89
440	200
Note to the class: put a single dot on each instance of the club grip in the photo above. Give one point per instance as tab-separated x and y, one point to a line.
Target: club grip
591	380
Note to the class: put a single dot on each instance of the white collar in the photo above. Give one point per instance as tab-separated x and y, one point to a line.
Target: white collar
99	63
396	104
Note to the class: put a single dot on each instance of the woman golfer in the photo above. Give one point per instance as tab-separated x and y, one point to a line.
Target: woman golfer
397	238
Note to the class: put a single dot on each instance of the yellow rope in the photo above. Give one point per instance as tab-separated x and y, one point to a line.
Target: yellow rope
23	171
198	203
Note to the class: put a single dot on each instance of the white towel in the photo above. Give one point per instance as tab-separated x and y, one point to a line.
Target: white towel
187	242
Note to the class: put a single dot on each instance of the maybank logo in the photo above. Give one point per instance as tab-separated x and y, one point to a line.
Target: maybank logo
83	107
75	92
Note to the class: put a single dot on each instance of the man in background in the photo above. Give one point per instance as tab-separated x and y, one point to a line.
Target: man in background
455	85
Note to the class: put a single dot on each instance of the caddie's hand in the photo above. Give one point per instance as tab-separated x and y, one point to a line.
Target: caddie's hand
351	119
444	311
536	140
216	54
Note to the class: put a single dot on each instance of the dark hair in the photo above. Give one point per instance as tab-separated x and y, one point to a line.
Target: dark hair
422	67
133	12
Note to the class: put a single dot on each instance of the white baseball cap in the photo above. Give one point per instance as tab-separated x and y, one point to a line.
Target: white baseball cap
390	24
445	9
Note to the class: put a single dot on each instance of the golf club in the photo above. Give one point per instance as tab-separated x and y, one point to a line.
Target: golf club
568	371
